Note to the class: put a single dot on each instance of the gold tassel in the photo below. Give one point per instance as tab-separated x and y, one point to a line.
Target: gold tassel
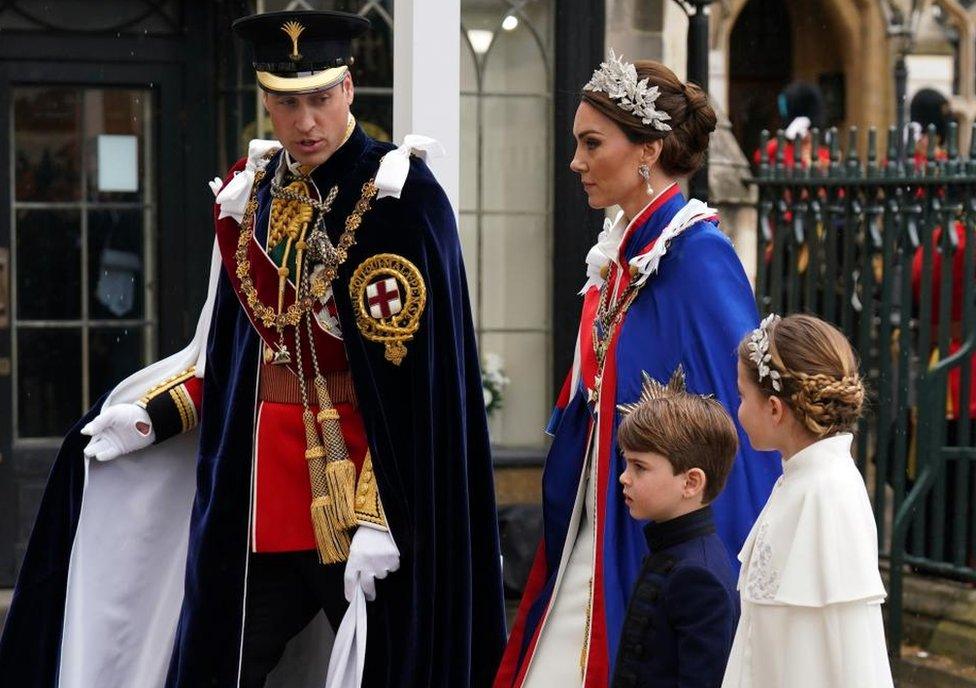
332	542
340	472
331	538
340	476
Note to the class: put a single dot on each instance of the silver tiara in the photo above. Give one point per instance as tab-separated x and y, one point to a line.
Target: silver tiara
759	351
618	79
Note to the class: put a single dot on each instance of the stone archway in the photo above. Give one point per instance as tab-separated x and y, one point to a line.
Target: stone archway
843	39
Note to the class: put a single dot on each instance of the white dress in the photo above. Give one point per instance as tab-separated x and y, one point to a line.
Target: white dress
809	583
558	657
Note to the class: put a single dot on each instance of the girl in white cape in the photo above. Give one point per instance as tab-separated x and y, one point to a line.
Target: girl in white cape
809	583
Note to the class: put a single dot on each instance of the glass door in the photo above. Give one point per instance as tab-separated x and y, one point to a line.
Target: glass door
80	250
78	308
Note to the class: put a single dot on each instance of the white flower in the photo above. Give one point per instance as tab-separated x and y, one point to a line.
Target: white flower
493	381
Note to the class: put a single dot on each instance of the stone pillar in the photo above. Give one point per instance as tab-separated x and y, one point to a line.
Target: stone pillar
427	81
730	195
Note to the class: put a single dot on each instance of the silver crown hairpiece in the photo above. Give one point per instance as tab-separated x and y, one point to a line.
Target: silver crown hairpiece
618	79
652	389
759	351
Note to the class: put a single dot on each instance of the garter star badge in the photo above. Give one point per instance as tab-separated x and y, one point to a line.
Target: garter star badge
389	296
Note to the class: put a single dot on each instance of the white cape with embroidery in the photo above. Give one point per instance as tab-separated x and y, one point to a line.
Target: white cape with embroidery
810	586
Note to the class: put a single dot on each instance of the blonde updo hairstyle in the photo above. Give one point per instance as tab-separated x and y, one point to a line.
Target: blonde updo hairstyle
692	119
818	369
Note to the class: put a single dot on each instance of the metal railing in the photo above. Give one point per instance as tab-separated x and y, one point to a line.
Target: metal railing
859	241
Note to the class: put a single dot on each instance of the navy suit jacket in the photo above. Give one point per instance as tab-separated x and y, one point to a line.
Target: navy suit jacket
683	611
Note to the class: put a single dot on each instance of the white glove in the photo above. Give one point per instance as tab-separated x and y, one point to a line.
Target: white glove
373	554
118	429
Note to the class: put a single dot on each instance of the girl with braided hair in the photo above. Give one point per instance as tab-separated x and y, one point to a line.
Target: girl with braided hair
809	582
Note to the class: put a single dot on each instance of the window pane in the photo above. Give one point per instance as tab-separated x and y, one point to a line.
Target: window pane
514	261
155	17
114	130
115	264
469	152
515	63
468	233
469	69
48	381
526	403
375	114
373	52
47	122
114	353
48	264
515	153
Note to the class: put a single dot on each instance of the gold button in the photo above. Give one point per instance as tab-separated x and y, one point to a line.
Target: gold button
360	501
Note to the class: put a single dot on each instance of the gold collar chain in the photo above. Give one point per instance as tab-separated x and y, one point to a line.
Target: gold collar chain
271	317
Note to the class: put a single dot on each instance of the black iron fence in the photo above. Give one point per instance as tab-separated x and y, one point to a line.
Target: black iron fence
883	247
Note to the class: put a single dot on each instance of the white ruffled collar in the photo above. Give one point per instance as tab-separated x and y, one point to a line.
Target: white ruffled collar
607	247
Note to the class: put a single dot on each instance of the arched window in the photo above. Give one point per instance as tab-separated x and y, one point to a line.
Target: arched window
506	186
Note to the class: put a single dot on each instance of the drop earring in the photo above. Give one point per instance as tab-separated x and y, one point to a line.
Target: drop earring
645	173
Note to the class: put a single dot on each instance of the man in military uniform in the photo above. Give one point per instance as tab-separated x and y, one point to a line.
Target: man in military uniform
332	403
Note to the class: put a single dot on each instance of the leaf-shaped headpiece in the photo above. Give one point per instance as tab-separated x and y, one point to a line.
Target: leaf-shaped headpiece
759	352
652	389
618	79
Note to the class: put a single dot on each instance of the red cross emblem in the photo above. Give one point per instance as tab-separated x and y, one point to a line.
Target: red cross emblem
383	297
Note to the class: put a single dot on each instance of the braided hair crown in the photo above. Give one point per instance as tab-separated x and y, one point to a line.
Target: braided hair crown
816	372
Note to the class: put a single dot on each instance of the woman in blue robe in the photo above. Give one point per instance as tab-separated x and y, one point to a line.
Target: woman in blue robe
664	288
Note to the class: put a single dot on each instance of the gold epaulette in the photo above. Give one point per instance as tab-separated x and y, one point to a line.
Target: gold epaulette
369	509
164	386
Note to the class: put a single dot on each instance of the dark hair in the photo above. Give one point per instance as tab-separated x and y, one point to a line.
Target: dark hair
690	431
931	107
692	118
818	370
803	100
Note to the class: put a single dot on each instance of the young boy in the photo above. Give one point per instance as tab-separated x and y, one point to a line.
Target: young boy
683	611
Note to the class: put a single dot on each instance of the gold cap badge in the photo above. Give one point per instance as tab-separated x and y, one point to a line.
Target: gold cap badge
294	29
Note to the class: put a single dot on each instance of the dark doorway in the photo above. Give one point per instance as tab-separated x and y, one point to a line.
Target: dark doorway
105	219
760	65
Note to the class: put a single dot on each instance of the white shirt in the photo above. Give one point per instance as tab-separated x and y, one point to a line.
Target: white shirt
810	586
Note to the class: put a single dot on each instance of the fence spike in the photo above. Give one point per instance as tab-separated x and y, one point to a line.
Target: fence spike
834	151
763	153
852	162
891	163
930	147
816	143
872	151
780	154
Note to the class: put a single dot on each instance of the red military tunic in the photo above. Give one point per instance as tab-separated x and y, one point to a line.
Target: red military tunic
281	495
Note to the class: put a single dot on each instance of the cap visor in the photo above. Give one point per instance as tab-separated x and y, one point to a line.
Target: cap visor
319	81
